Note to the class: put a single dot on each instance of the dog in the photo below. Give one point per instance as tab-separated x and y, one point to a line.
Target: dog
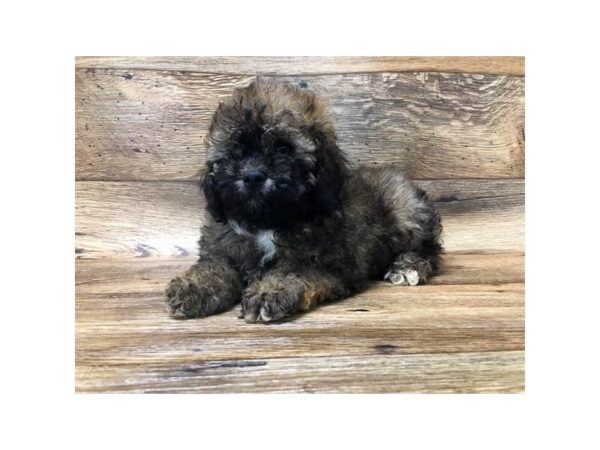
289	224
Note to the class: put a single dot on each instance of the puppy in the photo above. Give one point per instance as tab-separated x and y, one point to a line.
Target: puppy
289	224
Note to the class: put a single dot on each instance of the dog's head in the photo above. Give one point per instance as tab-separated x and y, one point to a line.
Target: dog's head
272	158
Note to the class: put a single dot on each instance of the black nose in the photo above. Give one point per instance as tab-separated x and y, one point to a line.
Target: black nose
253	177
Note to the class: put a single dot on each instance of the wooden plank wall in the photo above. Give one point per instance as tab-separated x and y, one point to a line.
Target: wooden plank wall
454	124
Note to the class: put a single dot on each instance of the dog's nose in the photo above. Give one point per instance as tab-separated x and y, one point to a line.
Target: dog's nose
253	177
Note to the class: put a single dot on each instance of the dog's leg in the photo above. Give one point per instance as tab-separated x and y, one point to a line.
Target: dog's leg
208	287
278	295
410	269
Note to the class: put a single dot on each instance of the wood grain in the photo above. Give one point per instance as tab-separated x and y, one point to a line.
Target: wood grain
145	274
298	65
457	124
453	336
149	124
488	372
108	306
164	218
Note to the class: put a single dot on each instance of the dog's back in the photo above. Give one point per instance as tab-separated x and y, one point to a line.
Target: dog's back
394	210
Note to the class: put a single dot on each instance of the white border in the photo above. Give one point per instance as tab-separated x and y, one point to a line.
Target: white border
40	41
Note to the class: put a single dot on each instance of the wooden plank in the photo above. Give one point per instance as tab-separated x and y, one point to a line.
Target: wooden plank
122	320
298	65
125	340
164	218
495	372
147	127
457	268
137	219
150	124
141	314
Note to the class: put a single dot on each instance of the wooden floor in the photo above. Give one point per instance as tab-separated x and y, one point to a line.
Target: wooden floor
462	333
455	125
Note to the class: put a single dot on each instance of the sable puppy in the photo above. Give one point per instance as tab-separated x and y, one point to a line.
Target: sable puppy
289	225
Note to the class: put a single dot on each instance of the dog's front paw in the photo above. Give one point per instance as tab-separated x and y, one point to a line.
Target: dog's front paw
186	300
204	290
268	306
183	299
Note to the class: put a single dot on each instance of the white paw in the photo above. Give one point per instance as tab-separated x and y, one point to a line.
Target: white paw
408	277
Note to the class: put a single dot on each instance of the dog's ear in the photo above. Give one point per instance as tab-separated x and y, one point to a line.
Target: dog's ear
213	201
331	172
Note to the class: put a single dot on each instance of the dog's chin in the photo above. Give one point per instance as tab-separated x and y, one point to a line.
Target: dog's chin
266	208
252	200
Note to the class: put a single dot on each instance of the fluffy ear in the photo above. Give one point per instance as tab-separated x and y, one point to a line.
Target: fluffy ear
331	172
213	201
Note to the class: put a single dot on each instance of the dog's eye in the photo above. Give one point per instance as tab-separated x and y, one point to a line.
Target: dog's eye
284	148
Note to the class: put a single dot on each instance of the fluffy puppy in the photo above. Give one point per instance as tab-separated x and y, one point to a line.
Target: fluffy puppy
289	225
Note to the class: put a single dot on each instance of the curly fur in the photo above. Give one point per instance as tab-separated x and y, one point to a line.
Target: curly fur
290	225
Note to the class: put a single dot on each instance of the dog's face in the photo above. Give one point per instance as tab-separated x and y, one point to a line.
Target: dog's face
272	158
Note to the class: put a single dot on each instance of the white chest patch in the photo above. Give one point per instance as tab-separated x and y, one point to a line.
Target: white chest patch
265	241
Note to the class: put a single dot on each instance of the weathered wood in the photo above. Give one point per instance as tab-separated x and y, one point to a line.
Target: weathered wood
454	336
492	372
465	306
137	218
123	320
499	65
140	124
149	124
164	218
141	274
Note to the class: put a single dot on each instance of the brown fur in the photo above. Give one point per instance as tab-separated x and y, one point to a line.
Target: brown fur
289	225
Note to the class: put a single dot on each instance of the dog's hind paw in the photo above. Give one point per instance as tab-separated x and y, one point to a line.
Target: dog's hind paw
409	277
409	269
